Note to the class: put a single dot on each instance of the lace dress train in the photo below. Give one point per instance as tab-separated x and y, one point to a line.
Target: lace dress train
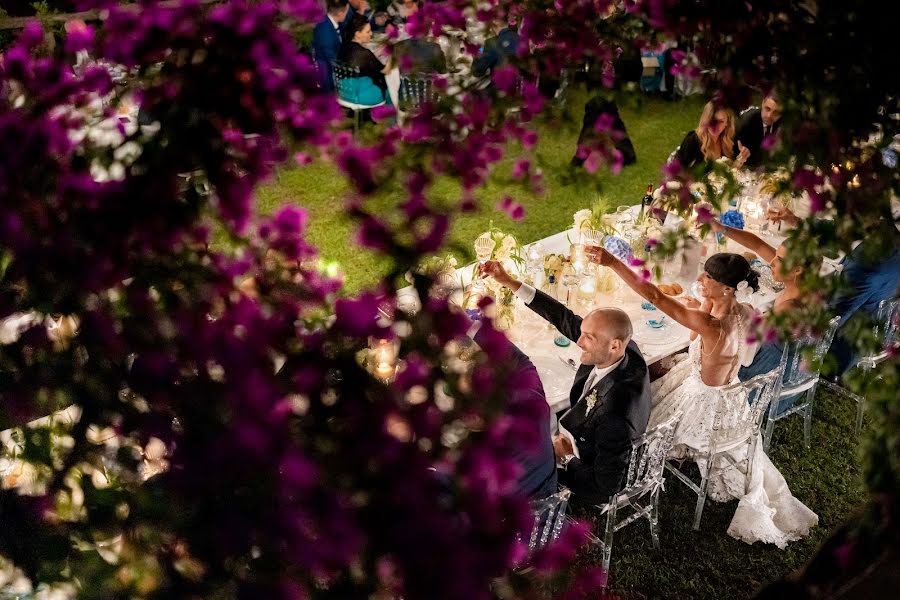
767	511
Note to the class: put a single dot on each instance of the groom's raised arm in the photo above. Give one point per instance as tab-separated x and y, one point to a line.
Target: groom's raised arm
567	322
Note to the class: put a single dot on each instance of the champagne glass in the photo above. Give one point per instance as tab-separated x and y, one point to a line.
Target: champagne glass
484	249
592	237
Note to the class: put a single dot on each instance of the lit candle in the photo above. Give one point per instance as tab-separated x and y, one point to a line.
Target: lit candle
588	289
384	371
384	359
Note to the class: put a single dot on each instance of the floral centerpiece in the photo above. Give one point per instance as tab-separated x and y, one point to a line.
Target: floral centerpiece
553	264
442	269
592	219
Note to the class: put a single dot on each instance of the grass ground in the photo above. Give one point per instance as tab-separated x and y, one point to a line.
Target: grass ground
704	564
656	128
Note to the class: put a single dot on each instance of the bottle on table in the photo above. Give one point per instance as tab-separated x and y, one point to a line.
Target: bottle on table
646	201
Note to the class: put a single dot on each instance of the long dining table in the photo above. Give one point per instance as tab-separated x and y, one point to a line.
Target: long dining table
556	364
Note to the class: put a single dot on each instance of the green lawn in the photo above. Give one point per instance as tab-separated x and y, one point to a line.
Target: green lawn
656	128
708	564
704	564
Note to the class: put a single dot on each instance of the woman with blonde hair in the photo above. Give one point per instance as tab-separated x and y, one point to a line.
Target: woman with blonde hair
713	139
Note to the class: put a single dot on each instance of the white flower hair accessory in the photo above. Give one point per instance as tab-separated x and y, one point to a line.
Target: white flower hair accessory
743	292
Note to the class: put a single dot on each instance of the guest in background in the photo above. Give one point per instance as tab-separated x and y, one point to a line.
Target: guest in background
497	50
420	55
380	22
712	139
589	136
869	279
358	7
370	87
610	397
755	125
401	10
327	40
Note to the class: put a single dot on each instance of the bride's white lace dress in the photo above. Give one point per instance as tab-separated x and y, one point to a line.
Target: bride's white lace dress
766	512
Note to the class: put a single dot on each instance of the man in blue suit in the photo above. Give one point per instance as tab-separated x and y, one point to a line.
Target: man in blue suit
497	51
327	39
538	475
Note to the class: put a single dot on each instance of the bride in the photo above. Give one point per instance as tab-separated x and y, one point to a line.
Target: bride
767	511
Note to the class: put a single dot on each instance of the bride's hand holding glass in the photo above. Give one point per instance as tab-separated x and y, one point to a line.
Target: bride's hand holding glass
599	255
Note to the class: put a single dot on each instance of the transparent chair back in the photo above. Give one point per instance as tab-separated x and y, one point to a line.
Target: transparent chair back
416	90
639	499
549	519
737	422
799	379
732	427
887	328
342	72
648	458
887	334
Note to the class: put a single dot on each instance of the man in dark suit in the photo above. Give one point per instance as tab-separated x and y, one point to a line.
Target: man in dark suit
610	398
538	477
327	40
755	125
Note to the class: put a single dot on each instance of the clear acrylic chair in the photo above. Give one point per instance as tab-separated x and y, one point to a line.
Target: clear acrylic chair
887	332
798	381
416	90
639	499
342	73
732	429
549	519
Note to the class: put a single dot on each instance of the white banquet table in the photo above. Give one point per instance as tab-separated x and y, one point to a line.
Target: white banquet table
536	338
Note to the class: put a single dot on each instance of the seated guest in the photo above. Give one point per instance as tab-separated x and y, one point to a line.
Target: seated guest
401	10
380	22
610	398
497	51
768	355
588	137
869	280
327	40
417	55
757	123
370	87
538	479
713	139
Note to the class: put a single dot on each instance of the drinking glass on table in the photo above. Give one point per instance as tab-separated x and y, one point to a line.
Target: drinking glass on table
484	248
623	215
569	278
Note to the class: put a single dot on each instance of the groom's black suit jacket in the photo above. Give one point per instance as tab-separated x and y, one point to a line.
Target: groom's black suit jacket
604	435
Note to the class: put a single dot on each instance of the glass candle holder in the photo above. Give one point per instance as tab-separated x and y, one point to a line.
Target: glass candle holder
383	358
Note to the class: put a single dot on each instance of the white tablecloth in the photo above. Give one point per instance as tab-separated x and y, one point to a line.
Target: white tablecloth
536	338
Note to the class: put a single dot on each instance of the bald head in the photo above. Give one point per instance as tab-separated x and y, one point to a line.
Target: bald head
605	332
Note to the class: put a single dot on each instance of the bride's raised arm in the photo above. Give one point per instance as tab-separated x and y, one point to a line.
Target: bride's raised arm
694	319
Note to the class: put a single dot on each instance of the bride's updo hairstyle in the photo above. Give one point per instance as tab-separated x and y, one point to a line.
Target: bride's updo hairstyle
731	269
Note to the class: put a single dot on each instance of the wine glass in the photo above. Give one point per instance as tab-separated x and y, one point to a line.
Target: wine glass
623	215
484	249
534	261
569	278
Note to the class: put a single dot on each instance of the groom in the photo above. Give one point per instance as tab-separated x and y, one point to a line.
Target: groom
610	398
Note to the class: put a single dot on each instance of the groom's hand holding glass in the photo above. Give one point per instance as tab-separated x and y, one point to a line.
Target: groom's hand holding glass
494	269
